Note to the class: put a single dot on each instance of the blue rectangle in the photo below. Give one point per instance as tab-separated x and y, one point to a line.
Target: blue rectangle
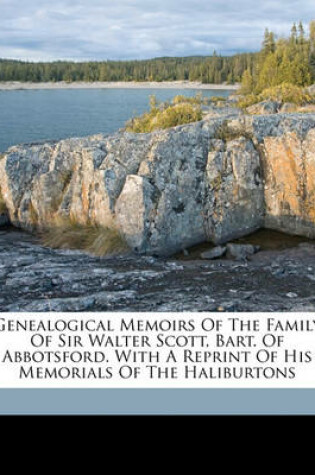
157	401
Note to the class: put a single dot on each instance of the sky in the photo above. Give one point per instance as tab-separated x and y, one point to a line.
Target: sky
138	29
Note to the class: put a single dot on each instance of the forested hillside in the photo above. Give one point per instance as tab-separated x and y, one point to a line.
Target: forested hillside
283	61
213	69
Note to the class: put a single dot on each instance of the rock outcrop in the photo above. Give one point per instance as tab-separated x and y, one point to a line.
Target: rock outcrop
273	107
264	108
214	180
38	279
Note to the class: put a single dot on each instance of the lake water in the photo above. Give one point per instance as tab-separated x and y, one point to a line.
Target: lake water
36	115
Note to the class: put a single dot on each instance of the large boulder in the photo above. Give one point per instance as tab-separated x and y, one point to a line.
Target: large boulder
171	189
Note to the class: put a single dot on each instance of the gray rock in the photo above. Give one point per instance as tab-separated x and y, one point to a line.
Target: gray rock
306	245
241	251
264	108
214	253
292	295
215	180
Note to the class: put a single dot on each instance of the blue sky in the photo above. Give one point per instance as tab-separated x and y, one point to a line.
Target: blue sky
137	29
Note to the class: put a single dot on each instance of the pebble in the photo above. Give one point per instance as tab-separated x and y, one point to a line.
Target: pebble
292	295
214	253
241	251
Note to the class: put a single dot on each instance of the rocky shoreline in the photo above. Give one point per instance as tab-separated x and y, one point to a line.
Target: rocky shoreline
215	180
14	86
211	182
34	278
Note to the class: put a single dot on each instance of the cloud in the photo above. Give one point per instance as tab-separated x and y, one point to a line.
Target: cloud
125	29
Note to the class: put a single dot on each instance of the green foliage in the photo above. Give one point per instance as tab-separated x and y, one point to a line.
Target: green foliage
214	69
248	100
312	48
183	110
96	240
247	82
198	99
269	43
289	61
216	99
283	93
287	93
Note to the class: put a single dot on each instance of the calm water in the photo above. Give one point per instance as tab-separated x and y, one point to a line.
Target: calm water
30	116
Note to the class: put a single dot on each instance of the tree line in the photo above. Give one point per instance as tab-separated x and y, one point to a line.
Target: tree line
214	69
282	61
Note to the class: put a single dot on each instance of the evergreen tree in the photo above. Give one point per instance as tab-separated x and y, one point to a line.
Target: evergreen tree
247	82
312	49
301	33
290	61
294	33
206	69
269	43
